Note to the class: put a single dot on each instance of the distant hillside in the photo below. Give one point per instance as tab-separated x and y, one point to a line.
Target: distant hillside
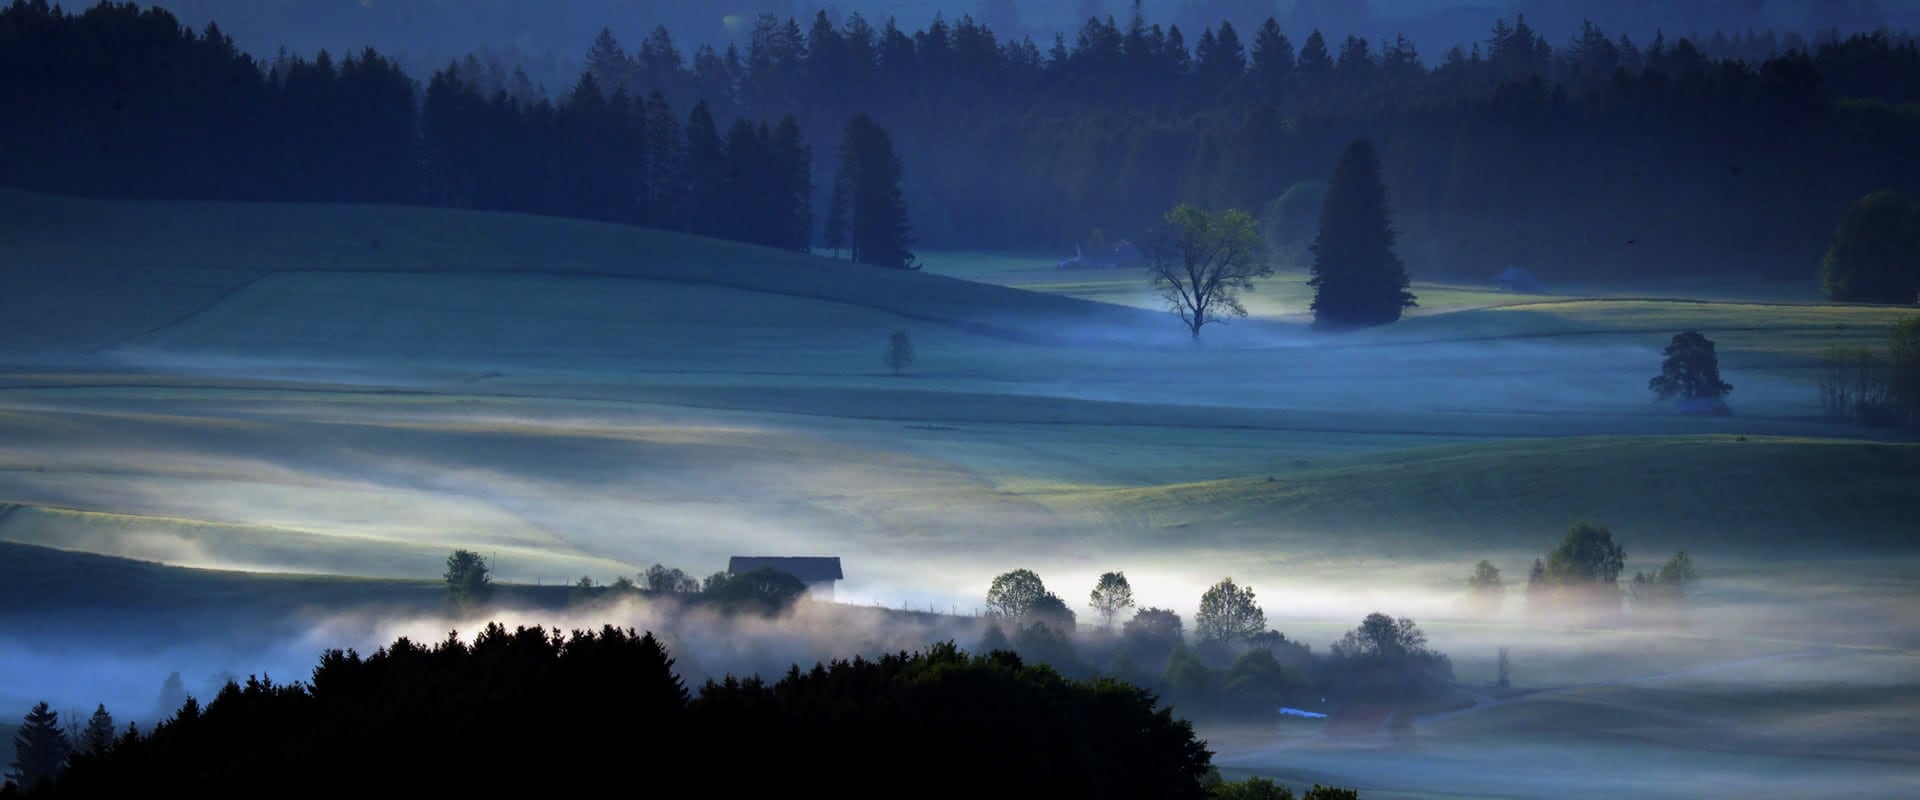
84	274
1657	493
35	581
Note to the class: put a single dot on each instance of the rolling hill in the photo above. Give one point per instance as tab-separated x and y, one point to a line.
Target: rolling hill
86	274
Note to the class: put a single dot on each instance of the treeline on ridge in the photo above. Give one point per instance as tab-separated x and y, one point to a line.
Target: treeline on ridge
1599	156
489	718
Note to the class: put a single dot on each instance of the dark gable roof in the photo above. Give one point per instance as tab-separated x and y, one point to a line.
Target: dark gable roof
809	569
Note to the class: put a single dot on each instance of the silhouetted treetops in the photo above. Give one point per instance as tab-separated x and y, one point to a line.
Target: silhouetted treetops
1234	666
1591	153
545	713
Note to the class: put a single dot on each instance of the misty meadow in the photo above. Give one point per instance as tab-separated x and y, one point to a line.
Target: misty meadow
1174	398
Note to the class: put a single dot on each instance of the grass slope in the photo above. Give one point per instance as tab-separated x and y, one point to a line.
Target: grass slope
1657	493
85	273
35	581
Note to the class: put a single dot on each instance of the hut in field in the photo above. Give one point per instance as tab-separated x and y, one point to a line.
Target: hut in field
819	573
1515	279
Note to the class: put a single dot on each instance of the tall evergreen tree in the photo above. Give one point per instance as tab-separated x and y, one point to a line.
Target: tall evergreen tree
1315	61
744	195
99	734
869	213
792	162
607	62
1357	279
706	172
40	748
1272	56
666	165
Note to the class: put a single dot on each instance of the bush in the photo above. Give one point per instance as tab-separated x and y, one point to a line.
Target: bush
764	590
1875	256
1388	659
1856	384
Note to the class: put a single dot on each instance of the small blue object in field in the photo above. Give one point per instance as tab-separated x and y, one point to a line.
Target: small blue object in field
1295	712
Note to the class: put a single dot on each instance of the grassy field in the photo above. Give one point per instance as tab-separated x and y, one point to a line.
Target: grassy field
280	395
88	274
1776	327
1661	493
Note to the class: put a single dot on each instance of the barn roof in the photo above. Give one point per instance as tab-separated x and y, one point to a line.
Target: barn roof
809	569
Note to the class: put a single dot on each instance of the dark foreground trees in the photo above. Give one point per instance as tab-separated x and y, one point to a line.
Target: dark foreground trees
541	713
40	748
1357	279
868	214
1201	263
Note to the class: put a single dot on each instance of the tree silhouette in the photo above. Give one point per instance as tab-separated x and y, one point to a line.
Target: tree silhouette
1357	279
1112	595
1014	594
1228	613
40	748
1875	255
416	718
1201	262
899	353
1691	370
1484	588
1583	571
99	734
469	580
868	212
660	578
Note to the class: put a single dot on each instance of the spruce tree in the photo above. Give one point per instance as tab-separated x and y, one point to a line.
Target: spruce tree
1357	279
744	194
666	165
705	171
792	160
869	214
99	735
40	748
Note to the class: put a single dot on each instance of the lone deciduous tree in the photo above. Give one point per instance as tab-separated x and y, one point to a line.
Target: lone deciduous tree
899	353
1013	594
1201	262
1228	613
1485	590
661	578
1357	279
468	578
1691	371
1111	597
